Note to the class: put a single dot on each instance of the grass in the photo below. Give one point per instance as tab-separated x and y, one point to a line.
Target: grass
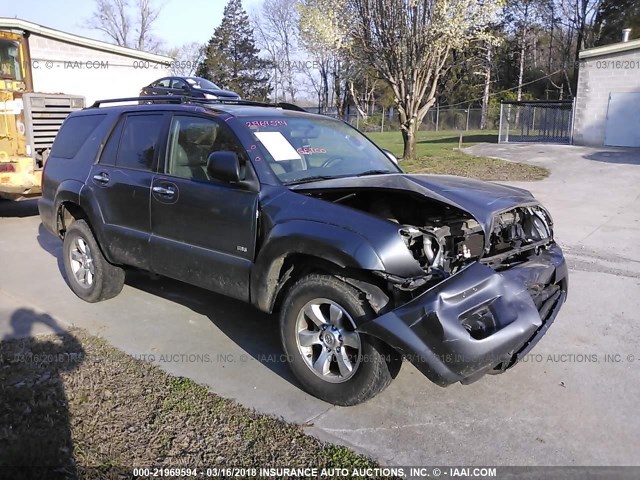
77	404
438	153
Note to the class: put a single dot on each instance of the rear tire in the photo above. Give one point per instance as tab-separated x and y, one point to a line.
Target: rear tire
330	359
89	274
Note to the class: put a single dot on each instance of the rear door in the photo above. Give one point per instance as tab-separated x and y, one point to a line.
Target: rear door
121	185
203	230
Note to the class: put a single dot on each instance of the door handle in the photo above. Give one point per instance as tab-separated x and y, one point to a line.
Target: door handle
169	192
101	177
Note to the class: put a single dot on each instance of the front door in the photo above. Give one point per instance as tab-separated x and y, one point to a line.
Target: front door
203	230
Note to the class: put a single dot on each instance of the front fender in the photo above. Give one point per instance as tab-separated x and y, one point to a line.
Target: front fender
331	243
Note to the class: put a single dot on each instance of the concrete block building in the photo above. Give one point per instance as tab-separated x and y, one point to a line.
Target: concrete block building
607	109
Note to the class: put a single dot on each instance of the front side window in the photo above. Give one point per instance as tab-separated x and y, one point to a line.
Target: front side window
139	142
301	148
192	140
164	83
10	60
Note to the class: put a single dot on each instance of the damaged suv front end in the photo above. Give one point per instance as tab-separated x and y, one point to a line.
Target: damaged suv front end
461	277
490	278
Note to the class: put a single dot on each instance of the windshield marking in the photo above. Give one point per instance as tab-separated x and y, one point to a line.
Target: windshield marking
267	123
278	146
310	150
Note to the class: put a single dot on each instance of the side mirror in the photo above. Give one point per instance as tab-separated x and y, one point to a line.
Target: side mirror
224	166
391	156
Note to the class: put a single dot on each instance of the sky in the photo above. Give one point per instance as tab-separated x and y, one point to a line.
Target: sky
180	22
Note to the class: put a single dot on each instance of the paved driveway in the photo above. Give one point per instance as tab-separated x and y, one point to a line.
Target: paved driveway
566	406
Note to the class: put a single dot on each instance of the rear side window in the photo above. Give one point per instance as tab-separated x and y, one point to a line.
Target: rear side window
73	134
139	142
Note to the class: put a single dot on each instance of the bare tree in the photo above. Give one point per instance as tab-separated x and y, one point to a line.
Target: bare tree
147	15
275	27
125	25
325	35
408	43
186	58
487	65
579	16
524	16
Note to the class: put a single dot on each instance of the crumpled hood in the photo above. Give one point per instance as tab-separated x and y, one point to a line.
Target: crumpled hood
482	200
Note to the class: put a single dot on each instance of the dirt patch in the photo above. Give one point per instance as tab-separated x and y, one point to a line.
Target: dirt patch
482	168
72	401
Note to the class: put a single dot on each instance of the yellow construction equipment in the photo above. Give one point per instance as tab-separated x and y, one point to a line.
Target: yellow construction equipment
28	121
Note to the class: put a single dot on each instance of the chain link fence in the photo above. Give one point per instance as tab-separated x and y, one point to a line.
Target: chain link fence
436	119
536	122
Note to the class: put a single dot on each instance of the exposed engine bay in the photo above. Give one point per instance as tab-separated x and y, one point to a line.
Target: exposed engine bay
443	238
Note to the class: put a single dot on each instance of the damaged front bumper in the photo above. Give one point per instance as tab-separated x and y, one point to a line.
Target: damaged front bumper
477	321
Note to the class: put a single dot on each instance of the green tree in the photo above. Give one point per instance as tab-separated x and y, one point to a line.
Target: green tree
232	57
615	15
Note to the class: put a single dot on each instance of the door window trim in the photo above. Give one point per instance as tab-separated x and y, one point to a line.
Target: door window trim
250	181
160	147
157	83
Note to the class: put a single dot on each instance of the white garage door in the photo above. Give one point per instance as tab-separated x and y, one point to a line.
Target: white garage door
623	120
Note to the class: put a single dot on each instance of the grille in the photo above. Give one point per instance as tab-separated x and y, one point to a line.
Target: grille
44	114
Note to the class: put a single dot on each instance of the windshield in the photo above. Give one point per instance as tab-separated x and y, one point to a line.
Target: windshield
9	61
197	82
303	149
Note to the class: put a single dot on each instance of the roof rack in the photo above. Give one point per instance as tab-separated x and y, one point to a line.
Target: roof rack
169	98
197	101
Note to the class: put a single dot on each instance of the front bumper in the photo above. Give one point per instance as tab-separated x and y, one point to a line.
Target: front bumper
477	321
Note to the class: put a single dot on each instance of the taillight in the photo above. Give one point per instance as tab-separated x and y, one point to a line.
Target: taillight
7	167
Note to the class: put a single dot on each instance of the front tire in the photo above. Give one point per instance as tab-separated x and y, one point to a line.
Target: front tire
89	274
328	357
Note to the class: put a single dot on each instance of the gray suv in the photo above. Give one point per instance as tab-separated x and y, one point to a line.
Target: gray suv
304	217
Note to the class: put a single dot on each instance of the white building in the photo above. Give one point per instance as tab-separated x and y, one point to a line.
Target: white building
65	63
608	98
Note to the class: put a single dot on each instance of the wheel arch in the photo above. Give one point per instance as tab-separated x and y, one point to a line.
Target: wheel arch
68	211
71	210
302	246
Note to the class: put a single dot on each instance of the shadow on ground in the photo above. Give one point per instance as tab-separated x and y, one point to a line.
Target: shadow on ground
35	429
52	245
23	208
257	333
630	156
